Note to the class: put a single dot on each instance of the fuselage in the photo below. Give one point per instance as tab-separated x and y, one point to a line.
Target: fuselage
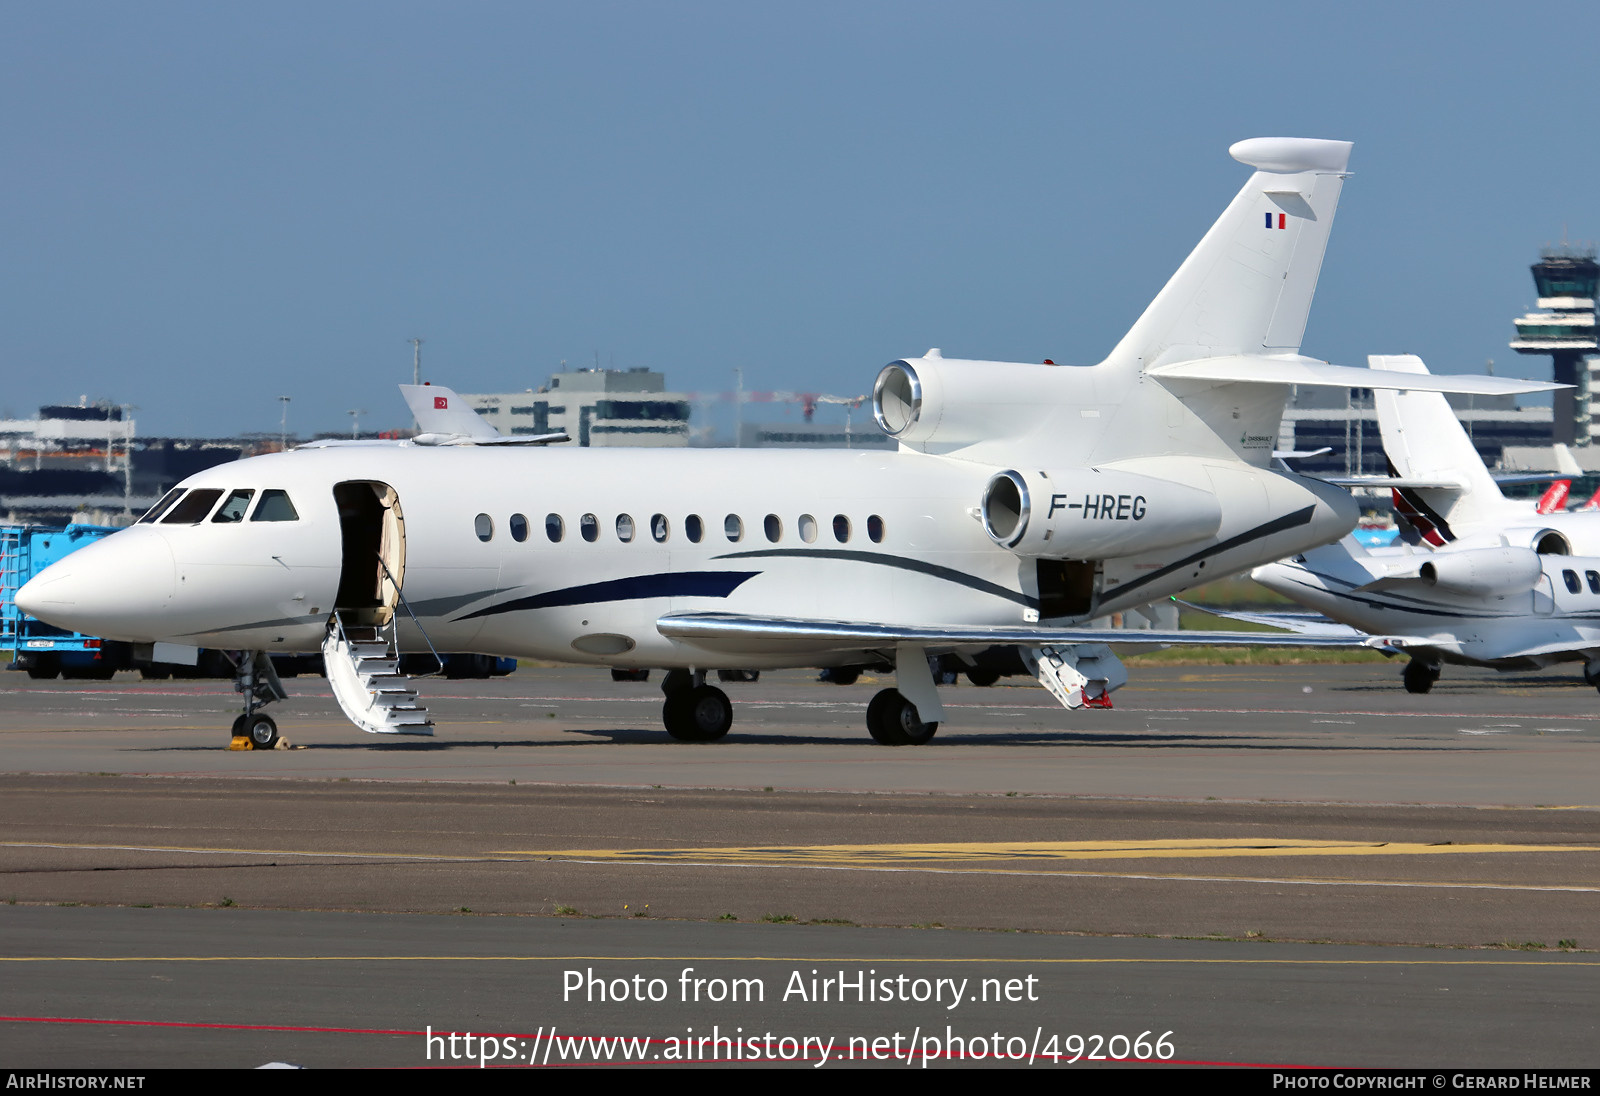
1557	620
574	554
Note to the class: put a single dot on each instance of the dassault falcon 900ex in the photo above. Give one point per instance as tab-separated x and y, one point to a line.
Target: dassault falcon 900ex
1024	500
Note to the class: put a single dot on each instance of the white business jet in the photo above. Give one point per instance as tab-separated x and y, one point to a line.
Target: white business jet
1484	580
1024	501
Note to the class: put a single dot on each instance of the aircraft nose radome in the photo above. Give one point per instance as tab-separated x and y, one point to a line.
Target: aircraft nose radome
105	588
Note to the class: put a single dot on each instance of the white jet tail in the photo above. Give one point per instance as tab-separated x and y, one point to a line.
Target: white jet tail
438	410
1246	288
1425	441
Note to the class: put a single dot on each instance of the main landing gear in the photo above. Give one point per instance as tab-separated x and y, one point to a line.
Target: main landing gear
907	715
695	711
1419	676
893	721
254	676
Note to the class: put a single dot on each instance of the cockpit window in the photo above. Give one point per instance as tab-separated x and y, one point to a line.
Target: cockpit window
160	508
194	507
233	510
275	506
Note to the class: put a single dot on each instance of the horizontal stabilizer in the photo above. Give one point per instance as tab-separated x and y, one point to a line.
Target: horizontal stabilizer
1437	482
498	439
1308	371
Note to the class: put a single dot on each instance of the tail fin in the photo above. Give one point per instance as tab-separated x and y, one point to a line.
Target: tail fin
438	410
1554	499
1424	440
1247	287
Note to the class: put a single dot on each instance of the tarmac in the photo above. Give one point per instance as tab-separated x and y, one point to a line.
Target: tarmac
1277	865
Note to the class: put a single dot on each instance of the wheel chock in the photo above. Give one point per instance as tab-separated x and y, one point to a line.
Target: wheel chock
240	742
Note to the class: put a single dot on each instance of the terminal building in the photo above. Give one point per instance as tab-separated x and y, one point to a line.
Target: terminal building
595	407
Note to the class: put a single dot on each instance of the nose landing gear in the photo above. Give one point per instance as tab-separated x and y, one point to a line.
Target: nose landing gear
254	676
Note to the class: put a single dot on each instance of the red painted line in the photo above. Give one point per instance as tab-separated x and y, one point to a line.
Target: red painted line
215	1027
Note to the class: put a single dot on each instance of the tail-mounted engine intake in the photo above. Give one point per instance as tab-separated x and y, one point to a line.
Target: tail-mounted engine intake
939	404
1094	513
1538	538
1484	572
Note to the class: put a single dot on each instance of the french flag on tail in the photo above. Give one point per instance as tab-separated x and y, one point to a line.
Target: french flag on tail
1282	218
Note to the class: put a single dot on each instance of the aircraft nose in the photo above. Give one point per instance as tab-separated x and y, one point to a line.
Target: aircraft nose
110	588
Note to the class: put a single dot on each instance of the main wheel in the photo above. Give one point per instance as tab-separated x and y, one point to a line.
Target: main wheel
701	714
676	681
1419	676
893	721
630	675
982	678
262	732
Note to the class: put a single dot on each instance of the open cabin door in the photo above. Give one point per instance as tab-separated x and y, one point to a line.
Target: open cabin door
373	533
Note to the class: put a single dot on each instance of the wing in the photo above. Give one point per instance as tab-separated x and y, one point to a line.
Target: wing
739	631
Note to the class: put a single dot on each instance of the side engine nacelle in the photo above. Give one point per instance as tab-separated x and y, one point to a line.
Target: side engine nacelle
1484	572
1093	513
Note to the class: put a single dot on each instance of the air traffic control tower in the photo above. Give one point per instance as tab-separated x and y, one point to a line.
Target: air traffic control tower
1567	278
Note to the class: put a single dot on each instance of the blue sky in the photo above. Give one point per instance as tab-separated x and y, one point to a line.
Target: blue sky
212	205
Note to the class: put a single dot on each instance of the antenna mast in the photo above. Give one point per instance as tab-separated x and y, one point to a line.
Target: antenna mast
416	358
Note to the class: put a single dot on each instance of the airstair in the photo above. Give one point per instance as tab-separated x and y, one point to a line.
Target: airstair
363	664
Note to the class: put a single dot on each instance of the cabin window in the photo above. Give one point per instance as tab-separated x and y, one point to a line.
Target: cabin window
733	527
841	529
694	528
1594	581
519	527
589	526
875	529
160	508
624	527
194	508
275	506
808	528
1571	579
233	509
483	525
554	528
774	528
658	528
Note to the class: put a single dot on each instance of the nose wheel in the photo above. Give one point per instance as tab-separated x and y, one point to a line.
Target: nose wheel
254	676
260	730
